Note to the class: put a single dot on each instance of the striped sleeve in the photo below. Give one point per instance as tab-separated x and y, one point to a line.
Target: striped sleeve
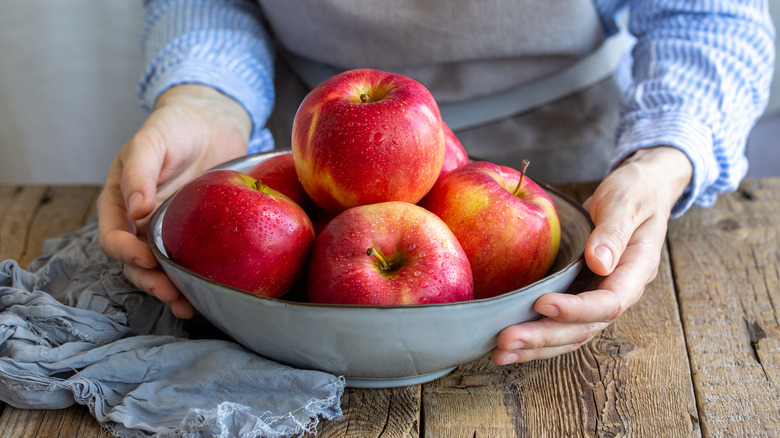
222	44
701	76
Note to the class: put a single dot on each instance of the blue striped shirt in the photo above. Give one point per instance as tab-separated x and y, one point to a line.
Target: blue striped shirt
698	78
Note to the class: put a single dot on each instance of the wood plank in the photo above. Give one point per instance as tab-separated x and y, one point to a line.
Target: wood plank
62	209
31	214
726	260
75	421
631	380
28	216
19	208
20	423
369	413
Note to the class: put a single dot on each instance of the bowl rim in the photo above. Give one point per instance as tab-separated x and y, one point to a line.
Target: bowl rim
161	255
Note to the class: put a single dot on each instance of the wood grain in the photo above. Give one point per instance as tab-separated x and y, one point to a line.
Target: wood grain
28	216
375	413
725	261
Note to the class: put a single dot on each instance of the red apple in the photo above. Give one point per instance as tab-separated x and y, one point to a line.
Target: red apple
367	136
230	228
388	253
506	223
278	172
455	154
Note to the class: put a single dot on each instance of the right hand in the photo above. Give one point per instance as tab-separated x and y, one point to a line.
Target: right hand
192	128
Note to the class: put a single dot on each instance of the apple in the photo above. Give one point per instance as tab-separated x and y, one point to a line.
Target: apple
389	253
367	136
507	224
233	229
455	154
278	172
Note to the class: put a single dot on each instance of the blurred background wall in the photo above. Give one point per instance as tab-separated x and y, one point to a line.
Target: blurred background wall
68	71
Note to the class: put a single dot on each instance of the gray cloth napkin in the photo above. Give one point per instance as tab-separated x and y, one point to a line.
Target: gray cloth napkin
74	330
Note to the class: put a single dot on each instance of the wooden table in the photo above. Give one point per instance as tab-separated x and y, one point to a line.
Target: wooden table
699	355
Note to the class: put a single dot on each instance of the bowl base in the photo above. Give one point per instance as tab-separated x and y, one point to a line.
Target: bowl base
394	382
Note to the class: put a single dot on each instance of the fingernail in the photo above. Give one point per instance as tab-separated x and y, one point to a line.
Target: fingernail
510	358
516	345
153	292
605	255
134	201
548	310
138	262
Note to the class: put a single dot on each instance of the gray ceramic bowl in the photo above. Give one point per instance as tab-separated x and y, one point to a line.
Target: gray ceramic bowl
374	346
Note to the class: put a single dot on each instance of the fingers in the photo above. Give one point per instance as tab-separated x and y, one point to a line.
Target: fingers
572	320
541	339
142	162
156	283
504	357
616	217
116	232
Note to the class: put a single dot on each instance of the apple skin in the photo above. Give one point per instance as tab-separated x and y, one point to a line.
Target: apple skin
511	240
455	154
224	227
278	172
427	263
366	136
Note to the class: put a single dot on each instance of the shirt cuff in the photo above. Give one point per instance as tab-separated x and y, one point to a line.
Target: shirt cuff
684	132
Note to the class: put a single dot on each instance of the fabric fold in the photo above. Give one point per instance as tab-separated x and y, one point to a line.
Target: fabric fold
74	330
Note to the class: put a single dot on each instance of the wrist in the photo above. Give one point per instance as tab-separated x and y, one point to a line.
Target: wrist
184	94
667	164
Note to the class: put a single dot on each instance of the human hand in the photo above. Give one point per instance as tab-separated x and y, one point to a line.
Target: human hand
192	128
630	210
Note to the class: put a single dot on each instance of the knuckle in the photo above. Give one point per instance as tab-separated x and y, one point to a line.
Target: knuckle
591	330
617	310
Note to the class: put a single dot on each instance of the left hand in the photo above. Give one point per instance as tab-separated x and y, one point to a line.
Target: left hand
630	210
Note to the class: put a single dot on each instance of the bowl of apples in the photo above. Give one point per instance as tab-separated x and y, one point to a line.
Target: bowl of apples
390	262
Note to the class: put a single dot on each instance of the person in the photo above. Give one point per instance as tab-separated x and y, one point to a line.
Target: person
694	83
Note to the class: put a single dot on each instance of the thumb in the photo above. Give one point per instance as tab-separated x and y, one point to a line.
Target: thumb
615	223
141	169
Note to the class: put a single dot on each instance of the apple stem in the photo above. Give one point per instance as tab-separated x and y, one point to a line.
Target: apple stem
522	175
375	252
365	97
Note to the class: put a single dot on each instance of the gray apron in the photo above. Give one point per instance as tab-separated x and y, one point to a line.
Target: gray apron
509	82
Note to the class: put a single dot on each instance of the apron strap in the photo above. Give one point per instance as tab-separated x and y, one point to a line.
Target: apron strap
584	73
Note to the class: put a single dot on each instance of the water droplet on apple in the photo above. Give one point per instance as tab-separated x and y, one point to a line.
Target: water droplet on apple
417	273
412	247
423	300
424	284
379	138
